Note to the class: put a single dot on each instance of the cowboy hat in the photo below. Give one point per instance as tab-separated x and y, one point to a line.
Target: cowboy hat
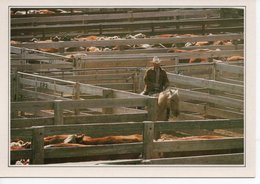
156	60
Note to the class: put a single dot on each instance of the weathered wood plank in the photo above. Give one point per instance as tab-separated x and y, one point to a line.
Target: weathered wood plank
148	137
81	119
108	102
107	93
220	159
98	76
124	25
42	96
28	122
223	113
35	105
230	68
199	124
199	145
97	129
152	108
232	81
187	116
204	83
93	150
20	154
133	15
37	145
21	133
47	85
119	86
223	101
186	106
58	112
36	67
22	74
135	117
91	89
126	94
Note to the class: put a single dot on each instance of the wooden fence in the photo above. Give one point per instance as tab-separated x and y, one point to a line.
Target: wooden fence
58	107
30	60
221	99
130	15
129	22
38	153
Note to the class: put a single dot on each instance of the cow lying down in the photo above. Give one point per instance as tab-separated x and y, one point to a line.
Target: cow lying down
83	140
74	140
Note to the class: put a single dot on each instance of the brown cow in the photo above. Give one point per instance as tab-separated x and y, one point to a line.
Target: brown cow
87	38
63	145
50	50
20	145
175	50
235	58
45	12
110	139
122	47
203	43
55	139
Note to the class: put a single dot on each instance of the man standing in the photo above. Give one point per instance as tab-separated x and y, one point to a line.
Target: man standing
155	78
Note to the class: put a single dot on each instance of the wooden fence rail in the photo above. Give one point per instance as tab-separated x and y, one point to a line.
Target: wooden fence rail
204	83
59	106
103	28
130	16
218	100
53	84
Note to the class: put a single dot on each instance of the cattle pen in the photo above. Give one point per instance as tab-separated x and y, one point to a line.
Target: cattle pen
90	85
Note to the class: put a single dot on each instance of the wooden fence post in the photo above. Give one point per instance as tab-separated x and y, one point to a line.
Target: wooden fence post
152	105
177	26
152	109
76	96
58	112
141	80
176	59
135	82
18	87
13	86
14	93
148	136
38	145
107	93
213	77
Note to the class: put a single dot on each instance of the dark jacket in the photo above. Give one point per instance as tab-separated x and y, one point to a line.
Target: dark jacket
150	80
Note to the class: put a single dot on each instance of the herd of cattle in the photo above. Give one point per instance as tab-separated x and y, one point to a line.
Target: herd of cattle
82	52
44	11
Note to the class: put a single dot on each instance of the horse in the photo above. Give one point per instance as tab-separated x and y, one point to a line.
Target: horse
168	100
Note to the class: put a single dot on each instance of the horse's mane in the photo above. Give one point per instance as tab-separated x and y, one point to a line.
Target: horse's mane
168	99
169	89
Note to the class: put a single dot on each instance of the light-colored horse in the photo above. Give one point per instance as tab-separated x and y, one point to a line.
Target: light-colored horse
168	100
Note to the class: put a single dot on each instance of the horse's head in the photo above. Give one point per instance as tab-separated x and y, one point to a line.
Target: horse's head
173	102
